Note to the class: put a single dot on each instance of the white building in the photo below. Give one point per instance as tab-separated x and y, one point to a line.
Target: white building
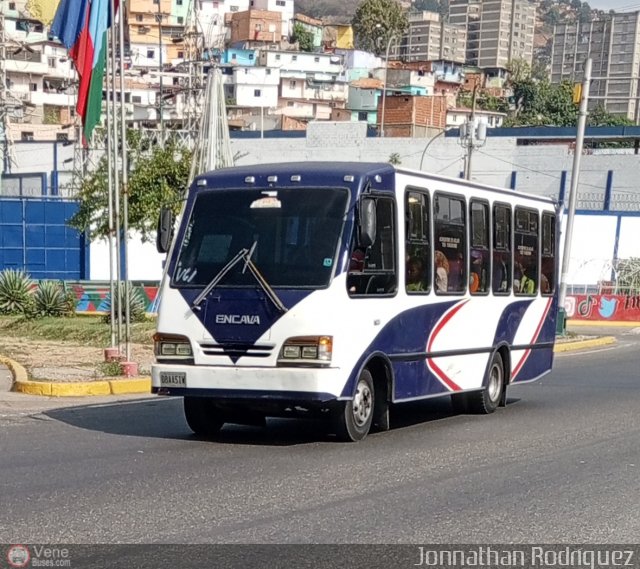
256	87
459	116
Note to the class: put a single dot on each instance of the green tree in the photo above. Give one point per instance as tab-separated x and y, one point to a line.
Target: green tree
540	103
303	36
599	116
158	177
519	70
375	22
484	101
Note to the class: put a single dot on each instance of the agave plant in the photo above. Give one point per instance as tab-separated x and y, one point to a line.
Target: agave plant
137	305
49	299
16	296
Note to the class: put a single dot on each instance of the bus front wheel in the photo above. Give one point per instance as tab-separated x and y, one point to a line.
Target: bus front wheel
202	416
352	420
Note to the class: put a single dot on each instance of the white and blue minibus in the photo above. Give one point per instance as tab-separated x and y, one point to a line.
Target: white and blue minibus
341	289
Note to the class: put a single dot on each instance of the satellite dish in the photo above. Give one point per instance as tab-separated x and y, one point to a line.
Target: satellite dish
18	113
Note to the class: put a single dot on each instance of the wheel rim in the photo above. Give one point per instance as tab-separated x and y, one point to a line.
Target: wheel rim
495	382
362	404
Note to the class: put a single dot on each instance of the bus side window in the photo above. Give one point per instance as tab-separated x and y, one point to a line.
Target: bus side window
502	261
548	266
525	279
479	261
417	246
373	272
450	257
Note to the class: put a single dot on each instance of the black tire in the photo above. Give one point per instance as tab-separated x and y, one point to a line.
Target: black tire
488	399
202	416
352	419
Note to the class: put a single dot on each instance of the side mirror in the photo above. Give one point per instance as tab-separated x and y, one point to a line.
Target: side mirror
165	230
367	228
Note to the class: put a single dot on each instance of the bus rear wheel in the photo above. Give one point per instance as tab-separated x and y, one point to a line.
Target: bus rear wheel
352	420
202	416
487	400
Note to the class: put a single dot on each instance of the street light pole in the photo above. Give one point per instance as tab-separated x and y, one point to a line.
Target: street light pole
160	109
384	83
575	177
424	152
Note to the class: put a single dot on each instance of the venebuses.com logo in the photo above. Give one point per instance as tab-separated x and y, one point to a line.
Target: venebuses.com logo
21	556
18	556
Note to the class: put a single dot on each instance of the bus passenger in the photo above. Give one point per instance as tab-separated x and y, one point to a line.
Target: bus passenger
442	271
415	275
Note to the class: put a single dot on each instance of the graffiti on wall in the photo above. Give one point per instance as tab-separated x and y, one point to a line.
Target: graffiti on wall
603	307
93	297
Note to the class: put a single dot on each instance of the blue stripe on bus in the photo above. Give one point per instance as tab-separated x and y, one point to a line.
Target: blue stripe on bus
250	302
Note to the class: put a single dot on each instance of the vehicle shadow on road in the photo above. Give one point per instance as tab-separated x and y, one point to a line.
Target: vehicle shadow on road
164	419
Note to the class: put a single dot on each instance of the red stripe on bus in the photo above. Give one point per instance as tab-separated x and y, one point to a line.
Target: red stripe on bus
439	373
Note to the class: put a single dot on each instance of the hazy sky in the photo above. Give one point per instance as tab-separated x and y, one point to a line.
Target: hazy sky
615	4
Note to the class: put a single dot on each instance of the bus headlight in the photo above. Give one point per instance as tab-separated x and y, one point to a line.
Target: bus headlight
172	346
306	349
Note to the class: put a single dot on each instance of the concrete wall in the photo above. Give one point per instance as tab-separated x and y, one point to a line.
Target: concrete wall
540	170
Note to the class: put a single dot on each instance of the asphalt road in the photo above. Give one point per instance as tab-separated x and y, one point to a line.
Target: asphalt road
561	463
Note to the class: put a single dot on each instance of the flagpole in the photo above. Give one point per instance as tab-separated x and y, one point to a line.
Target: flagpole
125	194
116	176
112	322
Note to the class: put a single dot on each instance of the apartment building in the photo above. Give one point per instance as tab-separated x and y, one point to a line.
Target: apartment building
613	44
430	38
310	83
152	29
497	30
39	78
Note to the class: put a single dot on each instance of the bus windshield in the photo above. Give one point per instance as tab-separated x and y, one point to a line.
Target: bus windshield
292	234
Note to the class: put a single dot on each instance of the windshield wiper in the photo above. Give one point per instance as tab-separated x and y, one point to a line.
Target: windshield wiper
243	254
266	287
215	280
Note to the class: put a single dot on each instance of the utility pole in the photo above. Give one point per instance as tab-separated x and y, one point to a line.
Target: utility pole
3	97
573	190
193	52
8	103
473	135
384	83
160	71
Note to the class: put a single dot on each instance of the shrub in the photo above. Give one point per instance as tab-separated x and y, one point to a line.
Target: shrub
137	305
50	299
110	369
16	296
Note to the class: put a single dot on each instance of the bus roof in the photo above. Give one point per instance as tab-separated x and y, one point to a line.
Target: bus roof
311	172
477	185
333	173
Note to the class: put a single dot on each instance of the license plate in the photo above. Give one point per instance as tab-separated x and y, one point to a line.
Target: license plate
173	379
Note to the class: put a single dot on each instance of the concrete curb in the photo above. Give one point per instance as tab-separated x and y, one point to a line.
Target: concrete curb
604	323
109	386
584	344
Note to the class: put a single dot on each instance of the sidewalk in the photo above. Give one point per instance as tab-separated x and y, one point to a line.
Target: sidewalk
14	377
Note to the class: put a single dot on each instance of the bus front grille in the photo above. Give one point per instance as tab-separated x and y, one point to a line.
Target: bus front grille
237	349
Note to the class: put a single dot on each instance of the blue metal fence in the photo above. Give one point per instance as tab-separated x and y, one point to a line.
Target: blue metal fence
35	237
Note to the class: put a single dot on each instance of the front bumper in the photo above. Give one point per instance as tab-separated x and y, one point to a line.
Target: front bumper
281	383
